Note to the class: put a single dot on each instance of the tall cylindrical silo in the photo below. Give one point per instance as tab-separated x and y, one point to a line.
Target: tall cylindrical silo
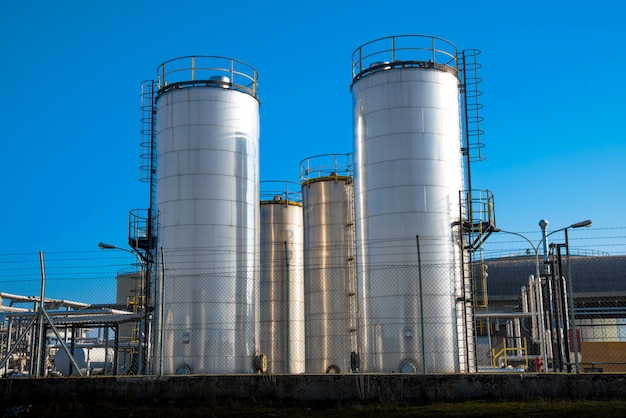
409	176
282	279
208	205
330	264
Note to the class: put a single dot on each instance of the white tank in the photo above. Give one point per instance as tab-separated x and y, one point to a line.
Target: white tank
330	264
409	175
89	359
208	209
282	279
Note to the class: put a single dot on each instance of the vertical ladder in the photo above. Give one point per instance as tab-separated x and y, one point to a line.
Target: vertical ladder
148	123
471	93
479	214
475	226
142	222
352	274
142	230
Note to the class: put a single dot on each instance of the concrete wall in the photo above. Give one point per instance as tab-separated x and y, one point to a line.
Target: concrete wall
313	390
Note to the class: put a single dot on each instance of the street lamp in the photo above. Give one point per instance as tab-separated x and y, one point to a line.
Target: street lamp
570	294
583	224
543	224
141	260
138	256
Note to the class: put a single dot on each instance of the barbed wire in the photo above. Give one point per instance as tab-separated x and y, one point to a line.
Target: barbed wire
97	268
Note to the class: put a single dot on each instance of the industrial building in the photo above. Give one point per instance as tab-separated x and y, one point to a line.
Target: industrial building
599	314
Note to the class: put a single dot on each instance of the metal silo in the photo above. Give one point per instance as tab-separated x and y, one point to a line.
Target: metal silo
208	204
409	176
282	278
330	264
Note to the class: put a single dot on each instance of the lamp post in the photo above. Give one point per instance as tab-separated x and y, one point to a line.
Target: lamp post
138	256
570	294
543	224
141	260
583	224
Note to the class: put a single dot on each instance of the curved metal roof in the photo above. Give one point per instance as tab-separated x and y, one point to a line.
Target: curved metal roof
591	276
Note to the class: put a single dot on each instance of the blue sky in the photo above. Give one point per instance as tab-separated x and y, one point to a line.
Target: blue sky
554	109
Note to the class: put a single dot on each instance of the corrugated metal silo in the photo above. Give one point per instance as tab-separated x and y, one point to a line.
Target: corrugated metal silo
208	205
409	176
282	278
330	264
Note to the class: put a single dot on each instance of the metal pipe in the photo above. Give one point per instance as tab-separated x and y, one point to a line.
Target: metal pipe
541	331
287	313
419	269
40	328
544	238
161	316
571	294
552	316
532	308
564	310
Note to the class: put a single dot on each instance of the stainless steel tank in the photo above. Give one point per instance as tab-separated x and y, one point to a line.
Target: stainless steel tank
409	175
282	278
330	264
208	206
89	359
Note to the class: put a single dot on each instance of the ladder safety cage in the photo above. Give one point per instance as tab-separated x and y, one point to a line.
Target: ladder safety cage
471	93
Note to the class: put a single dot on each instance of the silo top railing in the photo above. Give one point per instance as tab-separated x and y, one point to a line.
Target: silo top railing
323	166
404	51
210	71
280	191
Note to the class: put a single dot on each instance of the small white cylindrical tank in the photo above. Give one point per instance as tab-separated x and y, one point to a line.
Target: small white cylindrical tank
208	208
330	264
409	176
89	359
282	278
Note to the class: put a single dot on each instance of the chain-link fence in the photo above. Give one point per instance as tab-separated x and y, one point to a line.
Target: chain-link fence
562	314
582	296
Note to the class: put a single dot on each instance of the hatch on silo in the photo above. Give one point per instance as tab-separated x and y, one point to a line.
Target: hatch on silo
219	80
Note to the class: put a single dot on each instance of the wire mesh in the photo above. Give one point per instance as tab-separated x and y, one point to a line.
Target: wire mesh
234	322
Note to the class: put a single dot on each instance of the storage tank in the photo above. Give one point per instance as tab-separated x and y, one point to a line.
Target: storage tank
409	175
330	265
282	277
208	205
89	359
129	288
129	293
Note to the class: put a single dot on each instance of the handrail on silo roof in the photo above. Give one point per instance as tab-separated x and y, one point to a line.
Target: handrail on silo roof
279	191
326	165
210	71
402	51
